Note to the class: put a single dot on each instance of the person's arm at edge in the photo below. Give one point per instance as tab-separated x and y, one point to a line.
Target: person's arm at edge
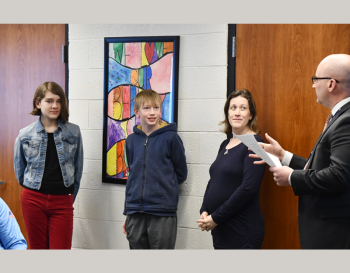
10	233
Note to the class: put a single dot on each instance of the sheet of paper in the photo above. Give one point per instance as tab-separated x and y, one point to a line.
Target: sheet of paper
250	141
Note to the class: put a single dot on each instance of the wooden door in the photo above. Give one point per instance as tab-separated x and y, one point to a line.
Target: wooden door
30	55
276	63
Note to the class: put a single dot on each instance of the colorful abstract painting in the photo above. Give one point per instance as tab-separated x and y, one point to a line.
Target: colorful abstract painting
132	65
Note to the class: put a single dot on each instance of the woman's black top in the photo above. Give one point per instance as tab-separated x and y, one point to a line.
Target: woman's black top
232	198
52	181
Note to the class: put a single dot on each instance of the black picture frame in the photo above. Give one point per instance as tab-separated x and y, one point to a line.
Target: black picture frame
121	47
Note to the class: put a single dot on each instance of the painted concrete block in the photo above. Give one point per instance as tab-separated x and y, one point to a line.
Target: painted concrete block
78	55
204	50
87	31
200	115
213	82
128	30
96	53
96	114
86	84
188	83
191	145
79	113
185	29
93	204
197	180
92	142
116	205
188	211
90	234
193	239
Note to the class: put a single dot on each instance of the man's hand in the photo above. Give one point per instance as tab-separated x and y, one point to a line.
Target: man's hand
280	175
273	148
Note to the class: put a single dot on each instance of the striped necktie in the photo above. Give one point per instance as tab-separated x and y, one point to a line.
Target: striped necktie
327	121
324	128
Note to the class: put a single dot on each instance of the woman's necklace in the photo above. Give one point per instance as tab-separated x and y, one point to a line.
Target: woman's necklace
236	141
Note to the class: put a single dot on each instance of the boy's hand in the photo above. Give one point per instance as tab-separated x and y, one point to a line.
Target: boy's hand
123	226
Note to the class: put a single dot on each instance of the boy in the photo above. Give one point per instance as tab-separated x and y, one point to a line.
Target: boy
157	164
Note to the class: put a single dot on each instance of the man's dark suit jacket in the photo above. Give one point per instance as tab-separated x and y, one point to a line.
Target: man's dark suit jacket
324	187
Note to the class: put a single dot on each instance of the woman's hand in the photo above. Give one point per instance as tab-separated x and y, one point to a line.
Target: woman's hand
203	216
273	148
206	223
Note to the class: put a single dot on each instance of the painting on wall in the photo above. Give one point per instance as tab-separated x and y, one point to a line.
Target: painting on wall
133	64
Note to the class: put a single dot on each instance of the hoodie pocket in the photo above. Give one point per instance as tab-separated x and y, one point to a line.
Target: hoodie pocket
133	193
153	195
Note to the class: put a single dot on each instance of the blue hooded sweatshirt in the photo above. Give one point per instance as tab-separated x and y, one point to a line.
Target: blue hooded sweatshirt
157	164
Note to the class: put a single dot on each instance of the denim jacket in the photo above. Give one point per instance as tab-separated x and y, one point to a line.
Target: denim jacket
30	154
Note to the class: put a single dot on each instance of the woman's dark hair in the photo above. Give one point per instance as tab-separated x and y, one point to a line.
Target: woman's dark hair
55	89
253	123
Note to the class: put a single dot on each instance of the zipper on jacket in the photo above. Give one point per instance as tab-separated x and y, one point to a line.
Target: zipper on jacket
144	170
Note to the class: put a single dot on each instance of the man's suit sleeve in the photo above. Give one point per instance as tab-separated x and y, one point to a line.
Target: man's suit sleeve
330	169
297	162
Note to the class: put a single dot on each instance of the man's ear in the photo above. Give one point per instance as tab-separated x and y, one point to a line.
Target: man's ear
331	85
136	113
37	104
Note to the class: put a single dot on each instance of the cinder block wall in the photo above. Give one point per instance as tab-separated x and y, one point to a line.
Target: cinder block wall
98	209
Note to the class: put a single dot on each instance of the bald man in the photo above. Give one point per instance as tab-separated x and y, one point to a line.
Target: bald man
322	181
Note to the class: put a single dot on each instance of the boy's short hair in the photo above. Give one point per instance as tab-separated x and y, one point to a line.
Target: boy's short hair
54	88
147	95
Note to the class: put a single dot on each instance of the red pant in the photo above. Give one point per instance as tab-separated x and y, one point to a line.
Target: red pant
48	219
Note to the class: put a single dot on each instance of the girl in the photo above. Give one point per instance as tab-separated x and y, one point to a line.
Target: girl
48	163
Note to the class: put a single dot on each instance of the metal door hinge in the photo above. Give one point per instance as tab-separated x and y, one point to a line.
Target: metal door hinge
233	47
65	54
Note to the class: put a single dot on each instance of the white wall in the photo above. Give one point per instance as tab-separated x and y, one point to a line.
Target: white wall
98	209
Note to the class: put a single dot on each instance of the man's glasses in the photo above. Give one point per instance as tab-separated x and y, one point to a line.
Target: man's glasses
315	79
